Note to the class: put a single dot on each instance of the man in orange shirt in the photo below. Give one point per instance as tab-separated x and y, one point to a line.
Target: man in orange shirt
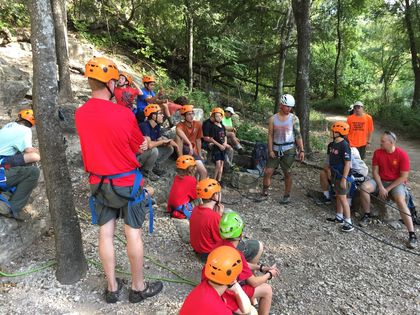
361	129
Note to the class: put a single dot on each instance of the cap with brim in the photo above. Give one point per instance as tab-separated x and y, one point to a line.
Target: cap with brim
230	110
358	103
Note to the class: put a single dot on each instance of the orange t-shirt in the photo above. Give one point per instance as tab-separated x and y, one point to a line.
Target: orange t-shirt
360	127
192	132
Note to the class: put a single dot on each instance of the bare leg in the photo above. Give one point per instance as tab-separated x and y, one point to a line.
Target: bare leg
107	254
365	196
135	256
265	293
287	183
400	201
201	169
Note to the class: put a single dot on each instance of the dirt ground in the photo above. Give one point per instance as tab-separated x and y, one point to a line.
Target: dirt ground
323	271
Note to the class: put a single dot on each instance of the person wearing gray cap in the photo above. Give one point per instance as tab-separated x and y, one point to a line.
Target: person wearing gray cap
361	128
230	129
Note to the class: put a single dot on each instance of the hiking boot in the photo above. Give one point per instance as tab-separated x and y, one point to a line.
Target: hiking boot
150	176
285	200
412	242
336	220
323	200
158	171
347	227
365	220
4	209
151	289
113	296
22	216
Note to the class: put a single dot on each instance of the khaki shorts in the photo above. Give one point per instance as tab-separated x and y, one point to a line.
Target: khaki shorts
110	206
285	162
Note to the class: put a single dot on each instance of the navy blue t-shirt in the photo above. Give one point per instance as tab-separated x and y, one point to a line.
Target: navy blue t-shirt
148	131
338	154
218	133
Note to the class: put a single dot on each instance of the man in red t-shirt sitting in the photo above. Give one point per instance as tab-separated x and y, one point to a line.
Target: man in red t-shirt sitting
391	166
109	140
223	266
205	218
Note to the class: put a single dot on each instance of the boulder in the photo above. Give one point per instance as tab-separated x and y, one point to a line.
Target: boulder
15	84
243	180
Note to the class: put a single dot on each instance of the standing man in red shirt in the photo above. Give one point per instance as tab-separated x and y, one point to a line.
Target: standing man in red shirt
106	151
391	166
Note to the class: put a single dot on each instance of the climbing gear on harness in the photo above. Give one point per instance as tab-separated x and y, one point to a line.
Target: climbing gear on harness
185	161
217	110
341	127
28	115
101	69
223	266
150	109
185	209
132	199
231	225
206	188
3	181
148	79
287	100
186	109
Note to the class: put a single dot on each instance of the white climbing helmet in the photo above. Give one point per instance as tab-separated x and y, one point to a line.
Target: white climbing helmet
287	100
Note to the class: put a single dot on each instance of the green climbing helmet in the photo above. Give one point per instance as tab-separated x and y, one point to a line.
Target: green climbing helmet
231	225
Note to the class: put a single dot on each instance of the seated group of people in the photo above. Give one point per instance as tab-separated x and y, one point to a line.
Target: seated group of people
217	134
391	166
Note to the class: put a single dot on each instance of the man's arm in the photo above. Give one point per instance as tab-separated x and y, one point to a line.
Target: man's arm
180	133
270	138
383	193
153	144
400	180
243	301
298	138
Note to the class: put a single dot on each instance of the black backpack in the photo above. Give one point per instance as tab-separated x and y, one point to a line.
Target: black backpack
259	156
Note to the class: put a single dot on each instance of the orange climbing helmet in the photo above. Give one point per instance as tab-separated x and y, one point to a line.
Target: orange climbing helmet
127	76
223	266
28	115
341	127
186	109
101	69
218	110
148	79
185	161
150	109
207	187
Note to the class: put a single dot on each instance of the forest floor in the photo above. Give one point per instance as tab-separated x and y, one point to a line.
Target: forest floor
323	271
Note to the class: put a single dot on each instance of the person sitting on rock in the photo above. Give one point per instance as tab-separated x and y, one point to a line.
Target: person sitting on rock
18	175
256	287
231	130
147	97
223	266
159	147
184	188
126	91
189	134
339	165
391	166
205	218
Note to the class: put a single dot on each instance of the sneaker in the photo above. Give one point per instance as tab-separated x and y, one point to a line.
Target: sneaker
158	171
347	227
285	200
323	200
336	220
412	242
4	209
113	296
151	289
365	220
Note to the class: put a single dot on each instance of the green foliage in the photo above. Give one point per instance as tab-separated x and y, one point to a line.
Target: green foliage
332	105
251	132
401	119
13	14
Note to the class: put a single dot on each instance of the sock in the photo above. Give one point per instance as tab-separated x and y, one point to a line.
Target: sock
348	220
339	216
327	194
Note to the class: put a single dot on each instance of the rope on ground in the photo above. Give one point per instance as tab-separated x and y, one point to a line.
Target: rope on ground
362	230
28	272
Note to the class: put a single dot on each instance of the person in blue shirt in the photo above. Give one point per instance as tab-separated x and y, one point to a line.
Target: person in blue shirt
149	97
159	147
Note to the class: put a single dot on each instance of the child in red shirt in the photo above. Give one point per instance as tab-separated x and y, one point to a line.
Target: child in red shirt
184	188
231	227
205	218
223	266
126	91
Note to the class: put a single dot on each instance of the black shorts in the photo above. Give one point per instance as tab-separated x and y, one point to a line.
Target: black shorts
217	154
15	160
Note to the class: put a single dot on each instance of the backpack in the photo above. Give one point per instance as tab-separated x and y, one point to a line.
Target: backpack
259	156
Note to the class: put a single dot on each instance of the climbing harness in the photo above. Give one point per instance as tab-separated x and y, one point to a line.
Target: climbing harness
185	209
133	199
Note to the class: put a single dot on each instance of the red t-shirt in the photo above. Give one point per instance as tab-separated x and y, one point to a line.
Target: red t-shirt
204	300
391	164
183	190
192	132
109	139
204	229
126	95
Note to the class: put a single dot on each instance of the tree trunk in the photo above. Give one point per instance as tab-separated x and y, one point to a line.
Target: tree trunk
338	48
71	262
415	58
284	43
60	26
257	81
301	10
190	27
